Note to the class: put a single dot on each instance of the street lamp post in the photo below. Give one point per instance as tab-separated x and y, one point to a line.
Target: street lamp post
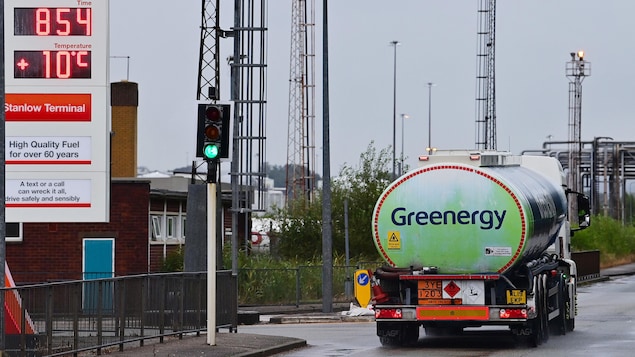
403	116
430	149
394	110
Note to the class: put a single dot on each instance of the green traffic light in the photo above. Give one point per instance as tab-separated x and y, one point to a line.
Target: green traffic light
210	151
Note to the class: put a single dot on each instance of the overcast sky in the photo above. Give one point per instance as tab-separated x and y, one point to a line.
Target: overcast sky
534	40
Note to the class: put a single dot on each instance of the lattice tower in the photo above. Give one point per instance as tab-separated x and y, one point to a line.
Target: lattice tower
208	64
485	76
300	175
248	91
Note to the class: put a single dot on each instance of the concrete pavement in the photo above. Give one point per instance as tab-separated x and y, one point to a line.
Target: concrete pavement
243	345
627	269
227	344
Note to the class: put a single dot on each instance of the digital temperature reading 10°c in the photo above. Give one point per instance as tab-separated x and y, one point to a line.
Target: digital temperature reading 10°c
51	64
51	21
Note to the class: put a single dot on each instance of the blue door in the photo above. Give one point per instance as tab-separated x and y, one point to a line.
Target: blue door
98	263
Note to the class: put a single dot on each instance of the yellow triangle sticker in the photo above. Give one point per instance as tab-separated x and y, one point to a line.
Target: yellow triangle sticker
394	240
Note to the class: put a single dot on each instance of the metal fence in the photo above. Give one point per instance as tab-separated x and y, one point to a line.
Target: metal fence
75	316
588	264
295	286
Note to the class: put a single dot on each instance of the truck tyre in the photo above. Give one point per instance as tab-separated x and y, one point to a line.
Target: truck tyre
558	326
544	309
537	335
397	334
570	317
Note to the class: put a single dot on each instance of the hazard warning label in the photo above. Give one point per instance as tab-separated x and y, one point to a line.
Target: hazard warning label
394	240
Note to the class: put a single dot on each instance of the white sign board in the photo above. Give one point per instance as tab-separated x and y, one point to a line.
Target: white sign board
57	144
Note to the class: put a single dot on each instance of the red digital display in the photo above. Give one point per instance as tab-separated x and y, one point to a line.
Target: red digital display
52	64
52	21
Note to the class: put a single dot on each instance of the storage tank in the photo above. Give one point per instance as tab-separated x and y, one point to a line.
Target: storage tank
466	219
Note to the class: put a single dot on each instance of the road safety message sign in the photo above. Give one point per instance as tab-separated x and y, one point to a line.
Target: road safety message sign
57	111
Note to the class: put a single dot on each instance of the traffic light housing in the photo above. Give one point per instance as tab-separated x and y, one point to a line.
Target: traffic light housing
213	131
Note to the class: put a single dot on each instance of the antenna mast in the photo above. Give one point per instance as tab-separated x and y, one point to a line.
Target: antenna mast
485	79
300	178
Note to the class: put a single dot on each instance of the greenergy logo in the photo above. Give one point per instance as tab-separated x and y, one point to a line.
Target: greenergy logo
484	219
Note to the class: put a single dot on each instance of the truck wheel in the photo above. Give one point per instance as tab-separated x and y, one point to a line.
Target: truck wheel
545	312
558	326
537	334
570	318
570	324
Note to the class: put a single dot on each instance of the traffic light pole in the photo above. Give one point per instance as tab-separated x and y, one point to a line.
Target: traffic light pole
211	264
212	171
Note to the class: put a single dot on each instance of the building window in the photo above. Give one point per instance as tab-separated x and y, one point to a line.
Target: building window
156	228
168	228
183	226
13	232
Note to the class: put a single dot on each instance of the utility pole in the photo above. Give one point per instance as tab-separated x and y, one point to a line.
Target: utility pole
327	225
576	70
429	148
394	111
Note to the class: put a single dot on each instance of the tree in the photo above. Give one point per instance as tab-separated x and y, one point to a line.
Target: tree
362	187
300	232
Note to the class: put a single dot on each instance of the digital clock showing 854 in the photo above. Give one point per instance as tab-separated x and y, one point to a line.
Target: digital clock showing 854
59	22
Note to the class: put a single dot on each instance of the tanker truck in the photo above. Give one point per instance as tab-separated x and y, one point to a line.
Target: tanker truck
473	239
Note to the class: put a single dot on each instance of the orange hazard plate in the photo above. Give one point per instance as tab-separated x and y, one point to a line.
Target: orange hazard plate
444	313
430	289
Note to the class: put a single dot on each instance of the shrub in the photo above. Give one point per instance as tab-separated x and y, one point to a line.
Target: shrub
615	242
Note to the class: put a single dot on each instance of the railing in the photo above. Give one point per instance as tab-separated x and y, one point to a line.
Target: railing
295	286
75	316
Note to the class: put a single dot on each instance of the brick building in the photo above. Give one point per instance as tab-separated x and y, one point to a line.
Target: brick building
147	218
56	251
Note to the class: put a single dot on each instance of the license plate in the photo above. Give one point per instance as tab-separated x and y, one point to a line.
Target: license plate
516	297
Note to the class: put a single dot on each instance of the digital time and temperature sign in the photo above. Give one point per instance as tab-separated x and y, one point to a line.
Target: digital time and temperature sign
53	21
57	110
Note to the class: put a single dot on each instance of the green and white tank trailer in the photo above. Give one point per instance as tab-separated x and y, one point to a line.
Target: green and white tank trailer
474	239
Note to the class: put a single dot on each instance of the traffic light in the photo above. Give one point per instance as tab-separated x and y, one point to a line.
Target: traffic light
212	132
212	141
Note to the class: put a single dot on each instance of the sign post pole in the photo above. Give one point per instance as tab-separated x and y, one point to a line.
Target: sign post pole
211	264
